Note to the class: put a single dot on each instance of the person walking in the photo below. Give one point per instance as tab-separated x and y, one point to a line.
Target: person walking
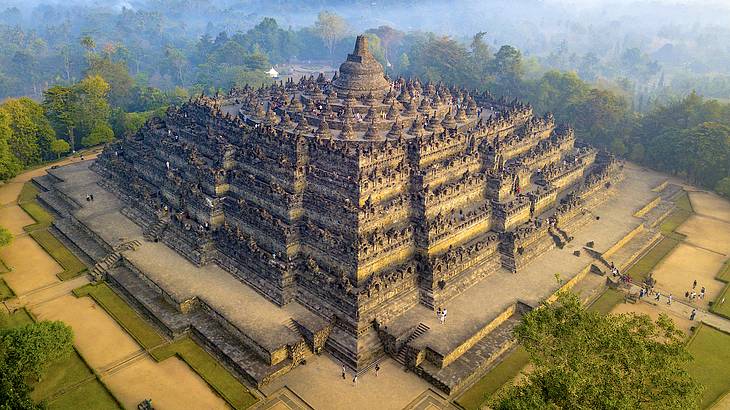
354	380
693	314
658	296
444	317
344	372
694	284
702	293
669	299
377	369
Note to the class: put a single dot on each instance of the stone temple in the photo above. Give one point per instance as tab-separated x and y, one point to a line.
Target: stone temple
337	215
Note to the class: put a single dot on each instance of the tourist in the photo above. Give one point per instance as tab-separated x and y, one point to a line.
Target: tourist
444	316
686	295
702	293
88	198
658	296
669	299
354	380
692	295
344	372
377	369
692	315
694	284
92	197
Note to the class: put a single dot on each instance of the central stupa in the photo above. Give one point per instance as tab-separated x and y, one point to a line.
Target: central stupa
361	73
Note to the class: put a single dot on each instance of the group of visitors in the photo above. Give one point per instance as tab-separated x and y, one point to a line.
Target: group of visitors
354	377
691	295
623	278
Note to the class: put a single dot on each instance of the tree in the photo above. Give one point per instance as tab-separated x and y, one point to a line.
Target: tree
388	37
102	133
25	354
115	73
707	151
32	134
481	54
59	147
331	28
508	70
441	59
176	59
6	238
57	103
10	166
586	360
89	107
78	109
88	42
723	187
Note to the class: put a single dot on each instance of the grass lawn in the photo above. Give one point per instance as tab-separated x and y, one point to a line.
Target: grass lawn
27	201
721	305
641	269
220	379
678	216
90	395
5	291
497	377
711	351
27	193
42	218
117	308
61	374
607	301
72	266
19	318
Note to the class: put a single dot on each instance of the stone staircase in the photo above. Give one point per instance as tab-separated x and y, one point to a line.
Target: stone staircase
473	363
292	325
154	233
132	245
400	357
556	238
100	268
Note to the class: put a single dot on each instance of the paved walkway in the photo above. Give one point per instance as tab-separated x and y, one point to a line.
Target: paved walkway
680	308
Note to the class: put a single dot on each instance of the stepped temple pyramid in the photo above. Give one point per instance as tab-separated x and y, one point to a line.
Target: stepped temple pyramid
338	216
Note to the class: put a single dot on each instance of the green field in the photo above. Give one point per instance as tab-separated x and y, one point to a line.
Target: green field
89	395
721	305
62	375
117	308
5	291
607	301
497	377
27	193
711	365
641	269
72	266
18	318
210	370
